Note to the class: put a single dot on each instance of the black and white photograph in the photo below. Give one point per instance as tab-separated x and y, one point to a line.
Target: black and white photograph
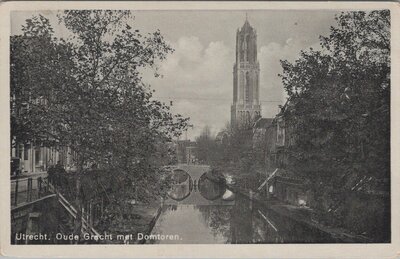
200	126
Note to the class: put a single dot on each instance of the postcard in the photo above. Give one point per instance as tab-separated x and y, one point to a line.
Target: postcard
200	129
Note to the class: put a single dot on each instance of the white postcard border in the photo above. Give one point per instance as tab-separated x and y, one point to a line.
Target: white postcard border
391	250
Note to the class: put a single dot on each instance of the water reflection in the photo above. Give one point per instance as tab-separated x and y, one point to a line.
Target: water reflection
181	185
210	190
189	222
197	189
200	214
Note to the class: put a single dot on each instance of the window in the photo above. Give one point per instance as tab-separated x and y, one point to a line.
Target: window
280	134
19	151
37	156
242	49
247	94
26	152
247	46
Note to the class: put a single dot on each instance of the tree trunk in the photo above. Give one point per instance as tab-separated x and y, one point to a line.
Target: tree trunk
78	201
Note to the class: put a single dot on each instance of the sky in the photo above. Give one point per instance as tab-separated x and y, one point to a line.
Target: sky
198	77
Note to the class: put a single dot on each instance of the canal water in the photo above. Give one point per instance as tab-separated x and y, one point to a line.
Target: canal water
200	211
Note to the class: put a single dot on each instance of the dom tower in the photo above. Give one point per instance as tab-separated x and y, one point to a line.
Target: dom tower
246	71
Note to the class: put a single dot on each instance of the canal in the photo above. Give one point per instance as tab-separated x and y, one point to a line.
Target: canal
200	211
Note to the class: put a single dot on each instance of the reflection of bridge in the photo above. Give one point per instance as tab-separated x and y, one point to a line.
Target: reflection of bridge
195	197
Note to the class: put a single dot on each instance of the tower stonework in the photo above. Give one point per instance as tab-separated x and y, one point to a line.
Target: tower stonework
246	70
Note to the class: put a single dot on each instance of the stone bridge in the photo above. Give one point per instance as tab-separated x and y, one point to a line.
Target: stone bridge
190	193
195	171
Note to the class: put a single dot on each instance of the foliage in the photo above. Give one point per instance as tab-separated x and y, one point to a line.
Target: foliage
339	108
39	65
206	146
234	152
87	93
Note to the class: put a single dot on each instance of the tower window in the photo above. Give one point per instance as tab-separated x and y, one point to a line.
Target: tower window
247	47
242	50
247	87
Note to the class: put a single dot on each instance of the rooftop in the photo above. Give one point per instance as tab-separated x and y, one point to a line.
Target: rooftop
263	122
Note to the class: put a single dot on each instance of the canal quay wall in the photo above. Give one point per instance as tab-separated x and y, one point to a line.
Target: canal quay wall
303	216
140	223
151	224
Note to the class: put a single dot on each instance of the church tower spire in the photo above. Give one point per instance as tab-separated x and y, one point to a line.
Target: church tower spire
246	105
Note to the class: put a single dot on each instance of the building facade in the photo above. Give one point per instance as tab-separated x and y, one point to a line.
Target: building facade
191	155
246	72
38	158
182	149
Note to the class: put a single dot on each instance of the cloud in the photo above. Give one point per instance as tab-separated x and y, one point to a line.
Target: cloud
271	87
198	75
195	69
198	79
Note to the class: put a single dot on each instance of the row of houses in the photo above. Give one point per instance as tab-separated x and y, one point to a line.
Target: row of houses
35	157
185	151
361	195
272	139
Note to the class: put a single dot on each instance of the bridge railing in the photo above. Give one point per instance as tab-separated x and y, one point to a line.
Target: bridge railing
64	186
28	190
24	191
86	226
